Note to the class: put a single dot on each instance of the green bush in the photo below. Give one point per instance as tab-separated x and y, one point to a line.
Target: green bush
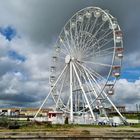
4	122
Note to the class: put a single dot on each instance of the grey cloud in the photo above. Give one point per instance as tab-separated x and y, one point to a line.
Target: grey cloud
30	88
40	22
18	91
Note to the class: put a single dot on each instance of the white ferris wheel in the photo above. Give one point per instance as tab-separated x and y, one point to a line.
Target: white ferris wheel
86	63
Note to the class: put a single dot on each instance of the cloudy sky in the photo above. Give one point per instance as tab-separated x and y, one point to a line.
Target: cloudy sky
28	31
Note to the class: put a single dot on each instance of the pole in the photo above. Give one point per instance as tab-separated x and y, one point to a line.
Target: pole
71	94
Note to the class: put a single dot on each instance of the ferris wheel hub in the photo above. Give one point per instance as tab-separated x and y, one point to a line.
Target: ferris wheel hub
67	59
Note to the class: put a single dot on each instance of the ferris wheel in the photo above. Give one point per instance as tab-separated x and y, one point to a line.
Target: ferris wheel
86	62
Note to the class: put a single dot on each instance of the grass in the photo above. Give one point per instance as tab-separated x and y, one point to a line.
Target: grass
129	116
27	126
136	125
40	130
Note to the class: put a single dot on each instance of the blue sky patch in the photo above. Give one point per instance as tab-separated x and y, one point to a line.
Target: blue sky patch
15	56
9	32
131	74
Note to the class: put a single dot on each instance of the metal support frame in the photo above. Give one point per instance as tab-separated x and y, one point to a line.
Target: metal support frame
97	96
82	88
95	93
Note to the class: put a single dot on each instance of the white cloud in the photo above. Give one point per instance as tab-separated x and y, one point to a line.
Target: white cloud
25	81
127	93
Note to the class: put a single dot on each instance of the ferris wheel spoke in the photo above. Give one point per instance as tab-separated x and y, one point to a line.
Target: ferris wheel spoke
88	41
105	95
97	55
96	44
93	25
99	77
65	46
81	39
98	41
104	39
103	32
92	77
105	43
72	41
87	44
89	55
96	93
99	28
96	63
76	35
67	40
87	25
95	75
80	33
90	31
84	37
105	54
87	80
63	52
105	35
103	92
86	30
104	50
94	81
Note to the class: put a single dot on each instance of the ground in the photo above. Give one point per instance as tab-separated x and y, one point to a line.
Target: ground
39	131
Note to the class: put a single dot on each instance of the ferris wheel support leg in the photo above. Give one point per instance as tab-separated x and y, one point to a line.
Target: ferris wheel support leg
50	92
88	76
123	119
96	93
81	86
71	95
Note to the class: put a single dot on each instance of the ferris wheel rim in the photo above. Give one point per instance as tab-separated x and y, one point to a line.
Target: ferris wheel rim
109	18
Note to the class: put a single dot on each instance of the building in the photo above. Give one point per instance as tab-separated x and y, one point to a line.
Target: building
23	112
9	112
120	108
